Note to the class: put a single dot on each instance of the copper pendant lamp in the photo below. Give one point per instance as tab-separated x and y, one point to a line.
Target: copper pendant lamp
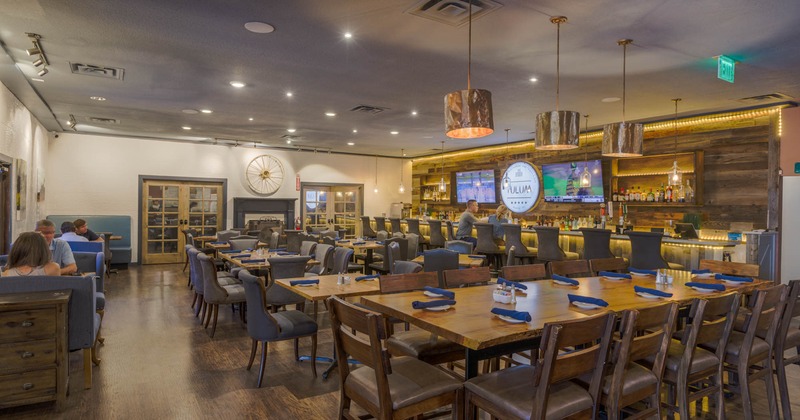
468	113
623	139
557	130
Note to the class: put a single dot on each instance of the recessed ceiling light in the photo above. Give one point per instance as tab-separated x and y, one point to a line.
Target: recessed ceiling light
348	35
330	114
533	79
259	27
291	130
237	84
97	98
36	79
355	131
186	127
250	119
190	111
350	143
610	99
288	141
413	112
394	132
289	94
206	111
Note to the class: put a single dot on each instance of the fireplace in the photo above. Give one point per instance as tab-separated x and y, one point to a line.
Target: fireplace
245	209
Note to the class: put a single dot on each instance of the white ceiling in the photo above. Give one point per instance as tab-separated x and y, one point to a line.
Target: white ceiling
180	55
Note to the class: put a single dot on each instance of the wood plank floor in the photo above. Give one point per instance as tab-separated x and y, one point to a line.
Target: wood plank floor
158	362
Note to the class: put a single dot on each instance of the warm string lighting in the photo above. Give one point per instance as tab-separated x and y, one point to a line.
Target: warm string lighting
402	188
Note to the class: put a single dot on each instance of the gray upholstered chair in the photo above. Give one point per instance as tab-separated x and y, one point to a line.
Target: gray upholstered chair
265	327
412	226
511	258
216	294
788	339
596	243
462	247
451	233
366	229
324	254
94	262
307	248
513	234
293	240
329	234
328	240
413	245
437	240
548	248
393	250
274	238
406	267
341	260
439	260
189	240
396	227
242	243
224	235
646	250
265	235
487	246
380	223
282	268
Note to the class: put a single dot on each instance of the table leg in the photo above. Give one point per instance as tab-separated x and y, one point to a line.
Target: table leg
367	262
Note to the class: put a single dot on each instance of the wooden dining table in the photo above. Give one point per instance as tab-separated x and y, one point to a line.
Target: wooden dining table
464	260
254	255
367	246
471	324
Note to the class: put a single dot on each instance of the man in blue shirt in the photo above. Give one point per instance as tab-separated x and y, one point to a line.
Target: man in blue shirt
466	222
68	233
62	254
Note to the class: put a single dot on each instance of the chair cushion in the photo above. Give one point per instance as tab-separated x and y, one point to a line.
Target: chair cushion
733	351
235	293
702	360
411	381
513	390
100	300
675	266
637	378
294	324
227	280
571	255
422	345
792	338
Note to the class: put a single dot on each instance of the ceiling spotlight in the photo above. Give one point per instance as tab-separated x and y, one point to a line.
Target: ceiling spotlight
238	85
42	72
289	94
38	62
355	131
288	141
394	132
186	127
291	130
97	98
206	111
533	79
348	35
250	119
413	112
330	114
71	123
350	143
34	51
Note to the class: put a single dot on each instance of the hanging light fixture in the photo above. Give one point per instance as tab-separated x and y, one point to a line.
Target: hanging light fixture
675	176
623	139
468	113
402	188
375	190
442	184
586	176
505	176
557	130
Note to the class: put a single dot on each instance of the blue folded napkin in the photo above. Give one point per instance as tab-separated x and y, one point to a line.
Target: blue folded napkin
733	278
514	284
522	316
587	299
230	252
359	243
238	256
720	287
253	261
374	276
640	271
219	243
283	253
431	304
649	291
565	279
483	257
296	282
446	293
612	274
703	271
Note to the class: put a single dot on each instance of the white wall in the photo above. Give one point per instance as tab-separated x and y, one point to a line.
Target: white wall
99	175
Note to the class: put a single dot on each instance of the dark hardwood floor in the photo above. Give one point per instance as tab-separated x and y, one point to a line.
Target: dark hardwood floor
159	362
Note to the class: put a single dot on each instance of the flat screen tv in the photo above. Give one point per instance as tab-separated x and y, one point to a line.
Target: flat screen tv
476	185
562	182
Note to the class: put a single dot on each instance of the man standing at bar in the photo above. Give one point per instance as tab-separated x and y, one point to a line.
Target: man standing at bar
62	254
466	222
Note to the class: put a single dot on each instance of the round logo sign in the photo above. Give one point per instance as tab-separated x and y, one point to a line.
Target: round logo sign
520	187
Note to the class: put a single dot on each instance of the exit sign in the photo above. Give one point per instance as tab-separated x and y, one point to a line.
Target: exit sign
726	67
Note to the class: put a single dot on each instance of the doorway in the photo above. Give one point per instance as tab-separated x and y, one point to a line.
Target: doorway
332	207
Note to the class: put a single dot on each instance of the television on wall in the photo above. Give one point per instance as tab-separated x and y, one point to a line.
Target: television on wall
476	185
562	182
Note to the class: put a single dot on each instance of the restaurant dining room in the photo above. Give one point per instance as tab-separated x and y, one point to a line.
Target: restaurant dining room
419	209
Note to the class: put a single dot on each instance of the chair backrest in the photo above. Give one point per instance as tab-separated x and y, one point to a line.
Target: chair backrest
188	235
243	243
451	234
617	265
730	268
92	262
710	322
287	267
329	234
341	259
436	239
413	245
265	235
381	235
406	267
462	247
260	324
307	248
392	254
524	272
511	258
324	254
403	245
274	238
396	227
213	292
646	250
224	235
328	240
486	238
513	235
570	268
380	223
412	226
366	229
473	276
558	361
85	246
596	243
438	260
395	283
766	307
293	240
547	244
791	310
195	273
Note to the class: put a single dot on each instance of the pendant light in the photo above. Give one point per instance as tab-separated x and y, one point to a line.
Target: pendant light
586	176
442	184
623	139
402	188
557	130
468	113
505	176
675	176
375	190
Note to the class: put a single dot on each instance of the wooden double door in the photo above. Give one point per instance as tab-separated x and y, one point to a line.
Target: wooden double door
169	208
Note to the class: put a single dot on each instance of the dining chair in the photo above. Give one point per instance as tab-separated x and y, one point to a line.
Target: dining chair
527	272
730	268
616	265
462	247
510	255
596	243
387	388
283	268
216	294
242	243
393	250
198	282
264	327
341	260
546	388
513	235
366	228
307	248
293	240
470	277
413	245
487	246
547	245
692	373
274	239
646	251
570	268
265	235
224	235
396	227
788	340
380	223
412	226
437	240
324	254
451	233
438	260
405	267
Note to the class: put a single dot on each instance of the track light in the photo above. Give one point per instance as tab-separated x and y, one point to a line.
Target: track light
71	123
41	61
42	72
38	62
35	50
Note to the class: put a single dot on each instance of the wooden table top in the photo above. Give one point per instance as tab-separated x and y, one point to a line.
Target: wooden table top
471	324
365	245
464	260
253	255
327	287
227	245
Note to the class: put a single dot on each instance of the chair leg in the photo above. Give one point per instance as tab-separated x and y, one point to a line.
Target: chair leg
185	264
87	368
214	324
314	354
93	352
783	390
769	380
194	300
296	350
100	338
717	381
207	318
253	350
263	362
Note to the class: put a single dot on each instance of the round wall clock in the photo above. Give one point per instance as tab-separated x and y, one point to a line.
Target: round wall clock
520	187
264	174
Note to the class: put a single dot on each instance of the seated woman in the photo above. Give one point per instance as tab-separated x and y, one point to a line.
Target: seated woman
30	256
500	216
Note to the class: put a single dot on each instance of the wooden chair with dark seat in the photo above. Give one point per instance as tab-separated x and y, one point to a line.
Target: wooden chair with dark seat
788	340
547	245
525	272
730	268
691	372
413	227
436	239
366	229
471	277
513	235
570	268
545	389
616	265
399	387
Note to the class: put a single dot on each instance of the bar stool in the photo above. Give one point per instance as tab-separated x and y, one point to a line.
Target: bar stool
380	223
513	233
451	234
437	240
413	227
596	243
487	246
396	228
646	251
366	229
548	248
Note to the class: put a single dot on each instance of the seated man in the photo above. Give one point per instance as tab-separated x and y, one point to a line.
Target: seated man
62	254
68	233
466	222
82	229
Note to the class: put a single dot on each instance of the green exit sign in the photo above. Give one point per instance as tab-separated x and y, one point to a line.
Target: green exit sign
726	67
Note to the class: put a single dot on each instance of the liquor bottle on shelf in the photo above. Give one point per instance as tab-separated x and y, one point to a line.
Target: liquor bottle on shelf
650	196
668	195
689	192
682	193
615	196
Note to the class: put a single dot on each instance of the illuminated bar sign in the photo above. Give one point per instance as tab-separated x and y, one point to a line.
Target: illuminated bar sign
726	67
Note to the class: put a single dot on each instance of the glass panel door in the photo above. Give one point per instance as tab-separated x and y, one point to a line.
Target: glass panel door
315	210
335	207
203	204
345	210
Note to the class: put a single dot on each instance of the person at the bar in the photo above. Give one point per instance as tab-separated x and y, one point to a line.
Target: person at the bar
466	222
60	251
500	216
30	256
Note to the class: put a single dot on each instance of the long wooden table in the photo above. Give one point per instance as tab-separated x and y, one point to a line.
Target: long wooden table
464	260
252	256
471	324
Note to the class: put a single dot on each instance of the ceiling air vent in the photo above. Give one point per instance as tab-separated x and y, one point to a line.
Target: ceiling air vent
770	97
101	120
369	109
452	12
99	71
